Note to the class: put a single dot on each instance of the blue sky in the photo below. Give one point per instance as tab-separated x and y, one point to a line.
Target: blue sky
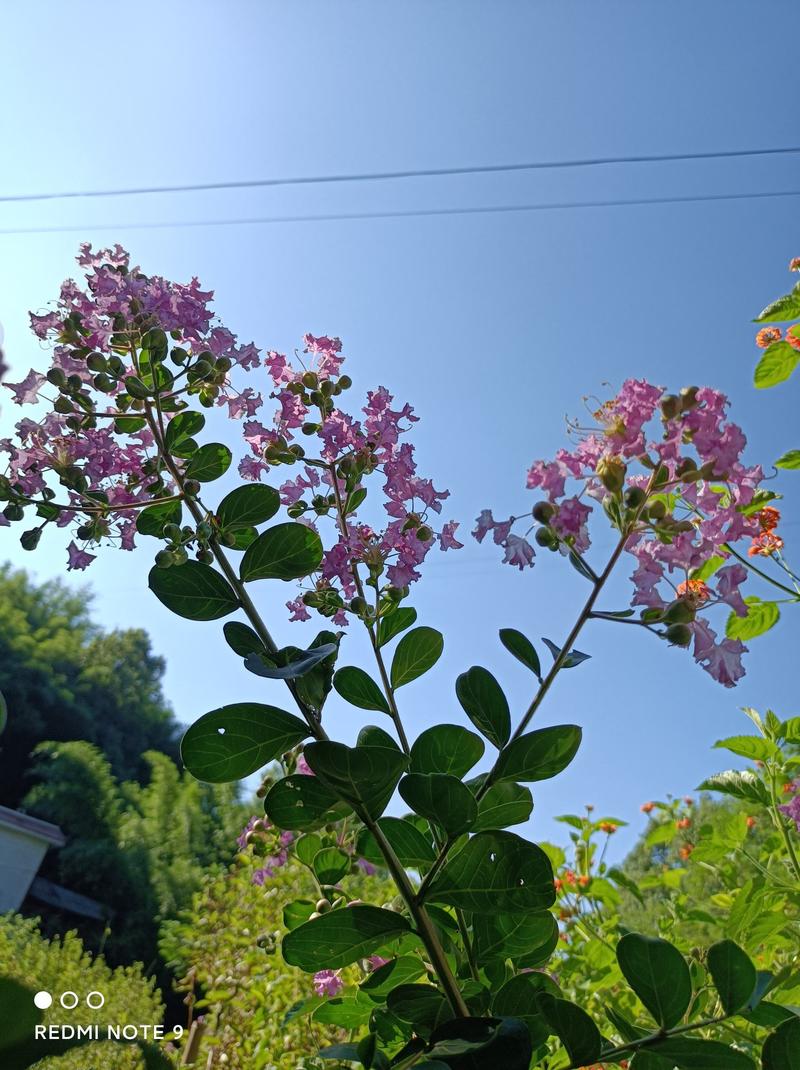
493	326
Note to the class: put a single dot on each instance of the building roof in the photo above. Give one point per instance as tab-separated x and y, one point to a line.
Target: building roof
31	826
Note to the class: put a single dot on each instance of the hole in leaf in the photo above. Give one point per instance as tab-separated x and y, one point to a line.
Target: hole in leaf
492	857
221	731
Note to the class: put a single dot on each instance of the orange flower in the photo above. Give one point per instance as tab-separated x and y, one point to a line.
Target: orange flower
794	264
751	822
768	518
608	827
684	823
694	592
569	876
559	884
584	881
765	545
686	851
793	339
767	335
647	807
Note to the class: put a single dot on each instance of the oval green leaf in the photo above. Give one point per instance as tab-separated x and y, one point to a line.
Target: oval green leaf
573	1027
538	755
193	590
658	974
153	519
209	463
246	506
782	1048
416	653
440	798
733	973
359	689
331	864
365	776
283	552
341	937
242	639
407	842
301	803
234	741
776	365
446	748
504	804
394	623
522	648
761	616
485	704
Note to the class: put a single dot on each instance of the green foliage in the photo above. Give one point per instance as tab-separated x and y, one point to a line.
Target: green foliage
62	964
63	678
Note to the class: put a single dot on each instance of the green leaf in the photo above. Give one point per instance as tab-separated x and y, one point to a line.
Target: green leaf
527	939
234	741
20	1015
153	519
365	776
783	310
440	798
485	704
395	622
446	748
331	864
359	689
790	460
373	736
209	463
422	1006
756	748
299	663
573	1027
416	652
761	616
733	973
297	913
708	568
742	784
193	590
621	878
495	872
399	971
406	840
183	426
504	804
242	639
252	504
688	1053
575	657
341	937
517	999
345	1013
776	365
522	648
283	552
482	1043
538	755
301	803
658	974
782	1048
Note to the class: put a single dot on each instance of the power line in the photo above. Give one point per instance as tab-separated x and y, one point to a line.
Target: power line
400	213
379	176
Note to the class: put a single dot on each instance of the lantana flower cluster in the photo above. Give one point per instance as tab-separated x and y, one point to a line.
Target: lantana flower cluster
667	469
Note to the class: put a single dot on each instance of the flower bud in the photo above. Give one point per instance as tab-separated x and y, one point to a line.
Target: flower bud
205	557
345	382
424	533
116	364
652	614
191	486
670	406
679	612
13	512
104	383
172	532
179	556
63	405
611	472
543	512
309	380
546	537
223	364
228	538
30	539
657	510
164	559
96	362
679	635
634	497
57	377
689	397
323	906
310	429
358	605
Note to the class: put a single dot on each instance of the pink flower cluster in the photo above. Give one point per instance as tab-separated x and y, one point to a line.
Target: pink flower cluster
792	808
397	546
703	497
93	319
257	833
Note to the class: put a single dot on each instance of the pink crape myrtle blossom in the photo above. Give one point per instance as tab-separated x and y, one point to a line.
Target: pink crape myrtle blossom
706	499
328	982
792	811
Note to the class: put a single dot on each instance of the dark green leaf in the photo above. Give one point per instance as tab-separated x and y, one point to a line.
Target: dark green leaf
193	590
483	1044
526	939
742	784
417	652
341	937
776	365
485	704
20	1015
406	840
182	426
346	1013
446	748
395	622
373	736
251	504
241	638
440	798
283	552
761	616
331	864
345	1052
517	999
209	463
575	657
152	520
538	755
301	663
522	648
688	1053
359	689
129	425
423	1006
783	310
790	460
396	972
782	1048
573	1027
365	776
301	803
495	872
297	913
658	974
503	805
733	973
234	741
